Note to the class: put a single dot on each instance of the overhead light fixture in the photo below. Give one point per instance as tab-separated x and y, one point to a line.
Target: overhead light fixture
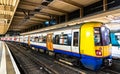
46	2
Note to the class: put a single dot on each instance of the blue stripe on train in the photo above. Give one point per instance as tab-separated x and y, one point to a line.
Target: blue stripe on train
39	47
66	52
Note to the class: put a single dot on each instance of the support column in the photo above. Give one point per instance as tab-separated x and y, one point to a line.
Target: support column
66	17
104	5
81	12
59	19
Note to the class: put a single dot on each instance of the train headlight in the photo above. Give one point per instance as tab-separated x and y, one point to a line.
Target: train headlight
98	52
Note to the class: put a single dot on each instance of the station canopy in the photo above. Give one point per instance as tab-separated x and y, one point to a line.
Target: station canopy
20	15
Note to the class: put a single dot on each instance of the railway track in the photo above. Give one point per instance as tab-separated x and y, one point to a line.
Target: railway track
81	69
29	64
67	69
78	70
115	69
47	63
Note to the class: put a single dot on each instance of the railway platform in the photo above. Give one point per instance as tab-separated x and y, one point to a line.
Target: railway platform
7	63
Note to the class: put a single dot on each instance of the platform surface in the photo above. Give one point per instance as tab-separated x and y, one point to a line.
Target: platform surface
7	63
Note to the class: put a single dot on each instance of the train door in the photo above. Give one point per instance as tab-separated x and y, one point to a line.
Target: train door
75	40
28	40
19	39
49	42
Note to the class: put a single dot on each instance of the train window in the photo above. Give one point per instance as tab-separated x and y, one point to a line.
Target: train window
31	39
44	39
117	37
56	40
25	39
69	39
63	39
36	39
105	35
75	39
97	37
40	38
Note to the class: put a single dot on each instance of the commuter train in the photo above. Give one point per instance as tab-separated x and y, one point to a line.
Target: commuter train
86	43
115	41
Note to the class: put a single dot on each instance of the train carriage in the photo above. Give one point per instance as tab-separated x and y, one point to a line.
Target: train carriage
115	41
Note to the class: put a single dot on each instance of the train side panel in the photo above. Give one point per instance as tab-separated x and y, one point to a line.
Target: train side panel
41	44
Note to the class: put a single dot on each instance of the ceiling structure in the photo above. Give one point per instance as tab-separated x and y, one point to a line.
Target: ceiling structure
18	15
7	10
33	12
110	18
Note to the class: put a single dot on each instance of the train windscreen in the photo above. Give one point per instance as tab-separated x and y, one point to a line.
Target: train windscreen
101	36
105	35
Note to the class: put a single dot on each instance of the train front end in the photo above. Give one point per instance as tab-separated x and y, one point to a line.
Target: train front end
96	49
102	45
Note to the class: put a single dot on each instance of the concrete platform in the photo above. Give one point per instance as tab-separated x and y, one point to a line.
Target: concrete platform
7	63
